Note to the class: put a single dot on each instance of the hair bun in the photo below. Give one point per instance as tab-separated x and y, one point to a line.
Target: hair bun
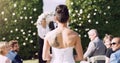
59	10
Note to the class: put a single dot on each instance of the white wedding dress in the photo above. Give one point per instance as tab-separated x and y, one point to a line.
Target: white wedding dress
64	55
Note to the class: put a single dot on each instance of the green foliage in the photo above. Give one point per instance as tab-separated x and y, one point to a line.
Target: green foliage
17	18
102	15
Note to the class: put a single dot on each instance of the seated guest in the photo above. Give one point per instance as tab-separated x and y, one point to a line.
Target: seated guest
4	48
115	57
96	46
107	42
13	52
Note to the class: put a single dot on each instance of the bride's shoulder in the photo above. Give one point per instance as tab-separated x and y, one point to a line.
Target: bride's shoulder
50	34
71	32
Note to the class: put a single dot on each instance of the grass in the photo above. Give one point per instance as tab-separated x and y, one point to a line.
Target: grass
30	61
33	61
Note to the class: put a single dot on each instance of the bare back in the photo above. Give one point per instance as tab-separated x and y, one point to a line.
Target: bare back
62	38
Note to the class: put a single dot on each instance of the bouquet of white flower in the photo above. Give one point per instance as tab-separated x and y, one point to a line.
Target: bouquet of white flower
48	16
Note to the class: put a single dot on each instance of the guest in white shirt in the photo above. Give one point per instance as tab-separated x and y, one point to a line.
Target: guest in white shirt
43	29
4	48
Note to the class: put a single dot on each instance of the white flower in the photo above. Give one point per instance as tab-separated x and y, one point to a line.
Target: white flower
34	33
23	33
11	31
81	11
17	37
3	38
25	8
71	3
85	35
13	14
107	22
15	5
31	21
21	30
97	22
30	17
34	9
108	7
5	19
36	53
24	43
31	41
89	21
2	12
29	31
21	17
86	29
26	17
16	29
26	38
48	16
15	21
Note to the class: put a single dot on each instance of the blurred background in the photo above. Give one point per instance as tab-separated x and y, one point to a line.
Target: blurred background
17	18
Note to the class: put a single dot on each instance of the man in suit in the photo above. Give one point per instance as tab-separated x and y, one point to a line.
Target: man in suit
12	55
96	46
52	25
115	57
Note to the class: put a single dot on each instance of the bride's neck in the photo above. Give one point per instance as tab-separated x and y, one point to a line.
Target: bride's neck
62	26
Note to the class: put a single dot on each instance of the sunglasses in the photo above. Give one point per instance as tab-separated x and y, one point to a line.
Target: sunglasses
113	43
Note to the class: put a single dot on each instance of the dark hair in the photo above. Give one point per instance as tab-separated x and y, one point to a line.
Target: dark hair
51	25
62	14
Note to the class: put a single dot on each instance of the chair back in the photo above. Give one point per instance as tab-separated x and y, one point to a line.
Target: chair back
97	58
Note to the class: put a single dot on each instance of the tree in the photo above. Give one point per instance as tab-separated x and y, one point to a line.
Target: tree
102	15
17	20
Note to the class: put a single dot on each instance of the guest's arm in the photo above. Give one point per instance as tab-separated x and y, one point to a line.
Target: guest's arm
107	60
113	59
90	50
40	33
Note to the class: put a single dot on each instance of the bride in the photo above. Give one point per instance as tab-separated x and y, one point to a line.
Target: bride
62	40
